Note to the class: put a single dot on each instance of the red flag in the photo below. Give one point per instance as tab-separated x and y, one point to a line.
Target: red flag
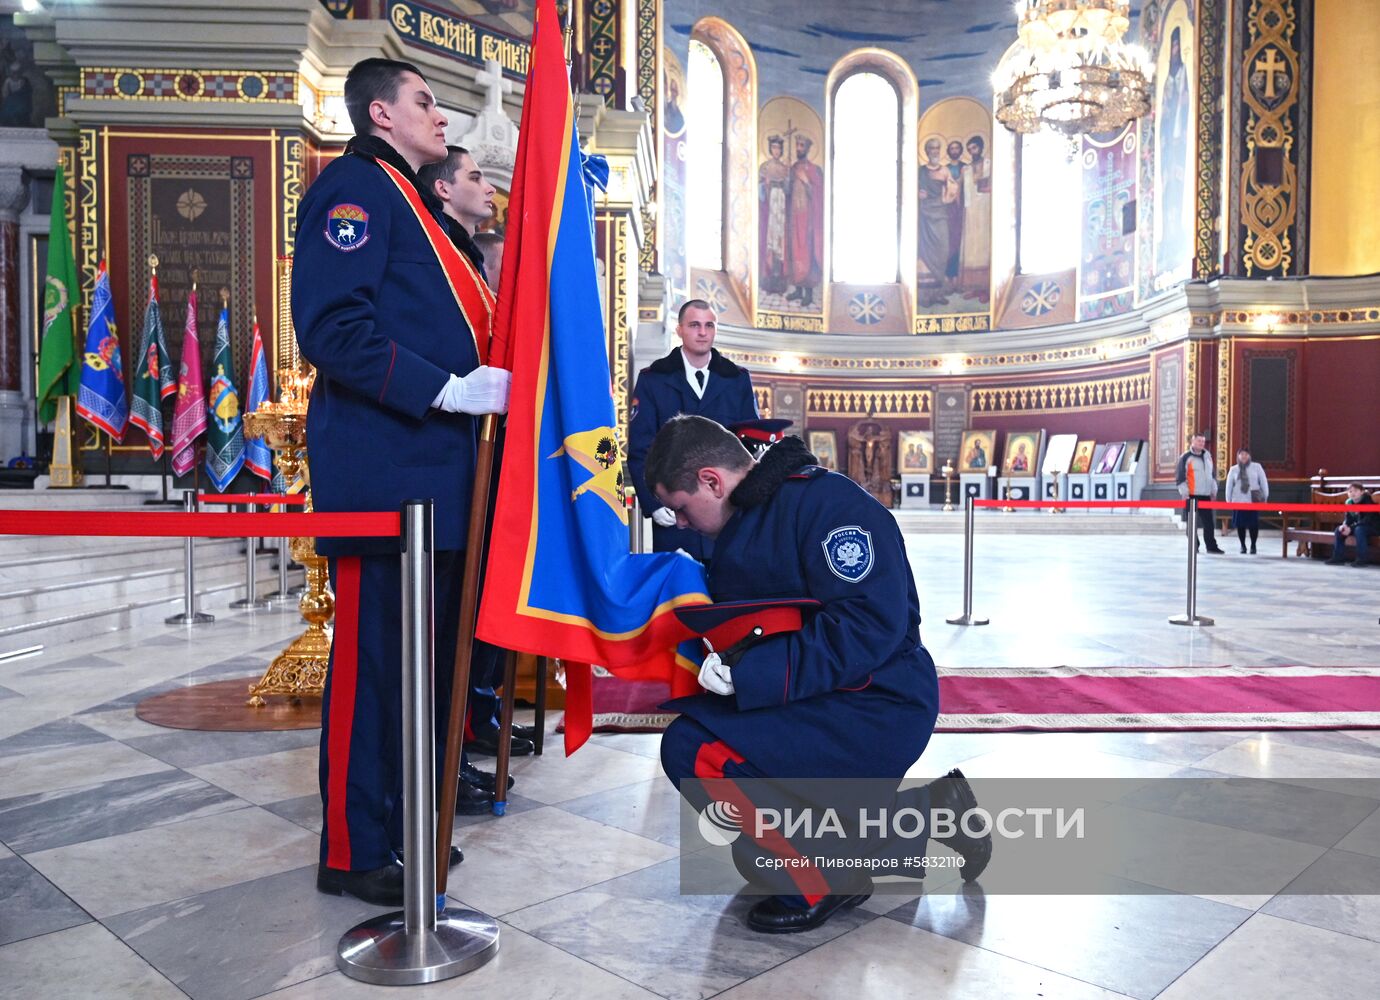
189	417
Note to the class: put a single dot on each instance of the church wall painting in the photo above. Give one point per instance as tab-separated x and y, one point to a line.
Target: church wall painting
790	216
27	96
673	249
1108	252
1175	142
955	213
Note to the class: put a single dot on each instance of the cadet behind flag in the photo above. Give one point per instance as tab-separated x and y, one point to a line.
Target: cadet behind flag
153	377
189	416
560	579
225	440
101	395
57	375
257	458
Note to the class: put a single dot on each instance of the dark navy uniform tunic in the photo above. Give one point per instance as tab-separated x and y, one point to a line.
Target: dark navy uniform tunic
853	693
661	393
374	313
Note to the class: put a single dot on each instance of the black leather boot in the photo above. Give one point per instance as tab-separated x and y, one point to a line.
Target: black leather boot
775	916
953	792
380	886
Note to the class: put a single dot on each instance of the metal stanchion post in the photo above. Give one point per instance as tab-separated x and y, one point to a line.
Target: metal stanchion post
250	601
967	617
425	942
281	598
1190	615
190	615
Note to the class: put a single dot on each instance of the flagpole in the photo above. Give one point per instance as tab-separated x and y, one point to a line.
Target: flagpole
464	647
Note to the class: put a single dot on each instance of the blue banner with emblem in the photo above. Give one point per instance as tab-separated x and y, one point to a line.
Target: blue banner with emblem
225	439
101	398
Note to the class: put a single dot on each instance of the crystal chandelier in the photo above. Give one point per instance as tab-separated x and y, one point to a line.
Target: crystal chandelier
1071	71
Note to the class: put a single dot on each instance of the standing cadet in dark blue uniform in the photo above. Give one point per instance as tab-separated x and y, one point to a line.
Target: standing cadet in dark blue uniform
852	693
693	378
386	309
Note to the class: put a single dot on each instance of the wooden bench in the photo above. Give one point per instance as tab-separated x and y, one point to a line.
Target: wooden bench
1308	531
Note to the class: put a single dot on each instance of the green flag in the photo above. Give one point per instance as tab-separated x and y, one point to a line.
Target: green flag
58	374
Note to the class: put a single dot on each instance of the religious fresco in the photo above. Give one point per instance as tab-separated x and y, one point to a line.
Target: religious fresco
955	209
1106	275
1174	147
673	252
26	94
790	208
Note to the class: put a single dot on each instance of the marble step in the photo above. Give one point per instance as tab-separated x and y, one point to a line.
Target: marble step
80	499
41	600
120	555
215	592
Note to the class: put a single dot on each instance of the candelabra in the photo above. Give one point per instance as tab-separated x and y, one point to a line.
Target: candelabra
948	471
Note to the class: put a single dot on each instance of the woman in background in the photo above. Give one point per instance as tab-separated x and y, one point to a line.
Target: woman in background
1246	483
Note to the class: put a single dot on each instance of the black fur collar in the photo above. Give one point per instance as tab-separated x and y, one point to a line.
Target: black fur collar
781	461
672	363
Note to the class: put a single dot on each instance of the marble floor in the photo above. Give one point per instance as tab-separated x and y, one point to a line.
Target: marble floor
137	861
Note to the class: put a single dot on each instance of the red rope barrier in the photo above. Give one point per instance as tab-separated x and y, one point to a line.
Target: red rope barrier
158	524
266	499
1152	504
1292	508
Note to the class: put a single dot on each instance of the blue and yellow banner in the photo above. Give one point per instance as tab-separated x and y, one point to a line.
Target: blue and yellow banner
560	579
101	398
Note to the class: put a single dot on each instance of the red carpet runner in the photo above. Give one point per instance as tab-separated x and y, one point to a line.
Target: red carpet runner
1070	699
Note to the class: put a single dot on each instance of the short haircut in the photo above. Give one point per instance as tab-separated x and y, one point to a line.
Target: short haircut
441	170
373	80
1350	486
688	443
692	304
1198	434
1243	451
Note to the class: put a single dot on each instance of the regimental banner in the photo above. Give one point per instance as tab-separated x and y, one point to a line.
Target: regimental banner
428	28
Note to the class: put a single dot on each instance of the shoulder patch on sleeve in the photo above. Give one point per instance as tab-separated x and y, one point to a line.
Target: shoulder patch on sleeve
849	553
347	227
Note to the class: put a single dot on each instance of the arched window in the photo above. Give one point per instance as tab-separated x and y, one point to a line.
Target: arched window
704	173
1051	198
866	179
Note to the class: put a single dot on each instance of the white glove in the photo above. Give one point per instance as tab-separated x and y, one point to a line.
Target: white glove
484	390
715	675
664	516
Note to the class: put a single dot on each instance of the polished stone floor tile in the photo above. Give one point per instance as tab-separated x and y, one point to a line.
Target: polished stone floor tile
284	932
1307	814
74	767
53	736
525	968
164	863
186	748
1365	839
649	809
554	777
38	822
888	959
78	964
536	855
30	905
1267	757
1131	944
305	811
1339	892
646	744
269	778
1269	958
677	946
119	723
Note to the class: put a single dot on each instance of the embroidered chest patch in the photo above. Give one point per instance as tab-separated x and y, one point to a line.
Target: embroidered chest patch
347	227
848	551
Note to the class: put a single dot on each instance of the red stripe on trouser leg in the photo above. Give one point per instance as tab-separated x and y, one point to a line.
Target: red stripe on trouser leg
344	678
709	768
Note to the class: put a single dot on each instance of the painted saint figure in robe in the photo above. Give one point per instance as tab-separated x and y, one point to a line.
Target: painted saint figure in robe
804	224
938	190
977	221
1174	247
773	178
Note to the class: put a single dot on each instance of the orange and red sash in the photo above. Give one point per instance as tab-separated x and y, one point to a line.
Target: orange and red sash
472	294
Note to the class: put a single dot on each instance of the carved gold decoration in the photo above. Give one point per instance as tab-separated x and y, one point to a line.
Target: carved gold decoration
762	393
868	402
648	81
88	238
1127	390
1211	35
1224	391
1270	90
601	42
300	670
1192	352
294	184
946	364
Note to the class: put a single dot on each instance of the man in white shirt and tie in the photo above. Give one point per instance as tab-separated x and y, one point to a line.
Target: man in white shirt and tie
693	378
